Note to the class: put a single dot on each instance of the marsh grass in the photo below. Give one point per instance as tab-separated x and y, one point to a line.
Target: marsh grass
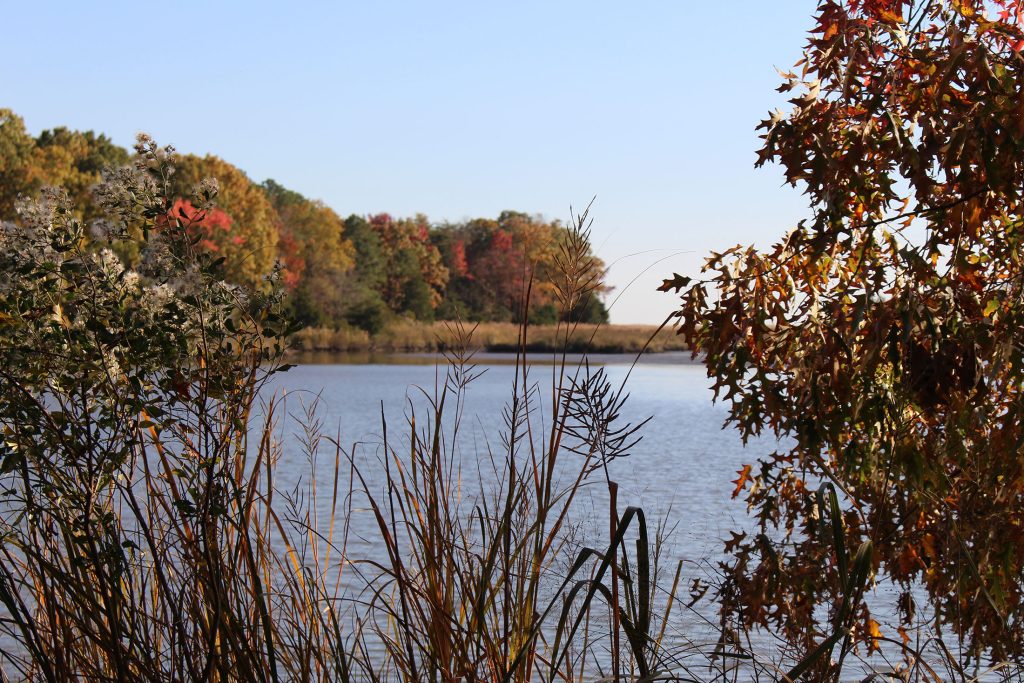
401	336
479	579
154	544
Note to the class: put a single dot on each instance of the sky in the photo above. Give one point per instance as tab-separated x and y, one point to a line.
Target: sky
450	109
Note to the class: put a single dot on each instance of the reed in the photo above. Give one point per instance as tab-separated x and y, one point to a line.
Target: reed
404	335
145	537
479	581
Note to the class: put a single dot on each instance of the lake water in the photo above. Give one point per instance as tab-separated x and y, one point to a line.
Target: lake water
680	473
680	470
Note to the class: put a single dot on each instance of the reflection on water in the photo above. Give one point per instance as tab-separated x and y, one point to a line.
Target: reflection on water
488	358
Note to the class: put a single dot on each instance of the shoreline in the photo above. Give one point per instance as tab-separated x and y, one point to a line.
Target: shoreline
410	337
488	358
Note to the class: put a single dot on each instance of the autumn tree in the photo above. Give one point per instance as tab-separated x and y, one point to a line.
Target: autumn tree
543	245
414	275
62	157
882	335
364	301
250	246
16	160
500	270
589	307
491	261
461	246
451	245
75	161
203	226
361	271
316	254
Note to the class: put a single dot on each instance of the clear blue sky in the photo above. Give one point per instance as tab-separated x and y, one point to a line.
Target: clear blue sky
452	109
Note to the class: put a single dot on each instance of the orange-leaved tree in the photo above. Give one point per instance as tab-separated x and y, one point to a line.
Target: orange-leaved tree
883	334
250	246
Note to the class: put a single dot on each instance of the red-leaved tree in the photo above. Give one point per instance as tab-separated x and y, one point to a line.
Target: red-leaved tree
883	334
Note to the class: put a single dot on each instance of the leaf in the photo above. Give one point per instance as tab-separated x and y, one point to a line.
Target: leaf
963	8
875	634
890	16
904	636
10	459
991	307
677	282
734	542
896	295
741	480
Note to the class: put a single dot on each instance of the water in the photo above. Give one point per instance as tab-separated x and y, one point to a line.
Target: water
679	473
684	462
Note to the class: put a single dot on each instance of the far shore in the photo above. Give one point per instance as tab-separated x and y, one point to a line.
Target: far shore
409	337
489	358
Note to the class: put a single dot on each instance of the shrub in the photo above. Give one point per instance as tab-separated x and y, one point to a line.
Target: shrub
125	397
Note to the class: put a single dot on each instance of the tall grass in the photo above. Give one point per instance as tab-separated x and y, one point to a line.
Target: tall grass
167	566
478	579
156	546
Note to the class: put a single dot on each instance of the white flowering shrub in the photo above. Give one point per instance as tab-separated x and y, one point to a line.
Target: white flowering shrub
91	350
125	396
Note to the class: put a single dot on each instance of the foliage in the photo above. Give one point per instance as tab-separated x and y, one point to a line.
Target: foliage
494	262
321	255
360	272
413	273
75	161
479	578
70	159
129	544
144	537
366	308
16	147
250	248
882	334
202	225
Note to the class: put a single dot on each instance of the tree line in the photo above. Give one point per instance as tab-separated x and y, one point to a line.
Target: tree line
359	271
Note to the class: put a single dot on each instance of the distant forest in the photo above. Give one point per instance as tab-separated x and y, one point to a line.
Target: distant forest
360	271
